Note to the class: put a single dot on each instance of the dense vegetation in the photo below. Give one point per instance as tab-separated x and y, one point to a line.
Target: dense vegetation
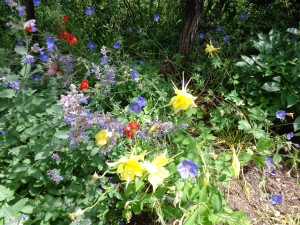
143	111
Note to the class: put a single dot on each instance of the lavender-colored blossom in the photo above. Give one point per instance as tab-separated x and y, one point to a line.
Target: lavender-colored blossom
117	45
225	38
276	199
44	56
270	166
156	17
134	74
30	24
104	60
13	26
54	175
10	3
21	10
13	84
134	107
36	2
140	101
289	136
25	217
187	168
36	48
28	59
90	10
280	114
244	15
201	35
68	63
2	132
35	77
219	29
91	45
103	50
56	157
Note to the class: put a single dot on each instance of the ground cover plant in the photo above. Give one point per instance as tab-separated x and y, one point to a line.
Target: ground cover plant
149	112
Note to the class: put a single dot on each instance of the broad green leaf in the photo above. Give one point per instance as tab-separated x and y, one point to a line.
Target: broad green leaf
7	93
192	219
5	193
203	195
21	50
271	87
277	158
244	125
186	141
63	134
216	201
247	60
292	99
264	144
294	31
11	78
27	209
296	124
18	206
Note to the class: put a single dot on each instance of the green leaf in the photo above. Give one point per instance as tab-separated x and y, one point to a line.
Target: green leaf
7	93
186	141
192	219
244	125
292	99
271	87
18	206
216	201
27	209
21	50
264	144
203	195
277	158
296	124
5	193
63	134
11	78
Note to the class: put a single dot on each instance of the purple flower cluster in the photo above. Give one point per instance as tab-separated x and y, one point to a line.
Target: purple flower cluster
28	59
13	84
54	175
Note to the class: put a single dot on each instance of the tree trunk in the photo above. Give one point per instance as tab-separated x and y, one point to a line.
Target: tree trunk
193	16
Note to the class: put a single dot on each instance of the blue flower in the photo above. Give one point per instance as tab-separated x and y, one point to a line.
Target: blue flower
289	136
91	45
134	107
21	10
134	74
2	132
140	101
104	60
201	35
129	30
269	161
156	17
117	45
25	217
50	44
225	38
44	57
28	59
35	77
36	2
244	15
90	10
219	29
187	169
276	199
280	114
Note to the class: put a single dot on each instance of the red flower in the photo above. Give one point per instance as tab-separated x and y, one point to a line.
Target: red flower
63	34
58	25
84	85
130	129
71	39
29	29
65	18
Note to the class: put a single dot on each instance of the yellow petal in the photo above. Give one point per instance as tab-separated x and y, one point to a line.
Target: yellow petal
236	166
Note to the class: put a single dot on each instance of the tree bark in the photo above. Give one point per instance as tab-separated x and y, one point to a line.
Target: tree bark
193	16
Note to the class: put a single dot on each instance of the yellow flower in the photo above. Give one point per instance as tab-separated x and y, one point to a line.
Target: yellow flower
236	165
182	100
129	168
210	48
157	173
79	212
102	136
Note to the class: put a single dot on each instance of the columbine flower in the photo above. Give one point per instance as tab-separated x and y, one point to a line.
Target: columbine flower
84	85
134	107
280	114
91	45
244	15
276	199
90	10
187	169
156	17
182	100
117	45
201	35
210	48
129	168
219	29
102	136
157	173
289	136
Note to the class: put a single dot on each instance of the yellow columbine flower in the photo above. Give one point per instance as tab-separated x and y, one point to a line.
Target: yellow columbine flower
210	48
236	165
157	173
79	212
102	136
182	100
129	168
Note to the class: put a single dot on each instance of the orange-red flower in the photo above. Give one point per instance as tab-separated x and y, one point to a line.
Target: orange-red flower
71	39
84	85
65	18
63	34
130	129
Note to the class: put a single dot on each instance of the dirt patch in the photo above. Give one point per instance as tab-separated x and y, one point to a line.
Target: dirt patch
257	203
